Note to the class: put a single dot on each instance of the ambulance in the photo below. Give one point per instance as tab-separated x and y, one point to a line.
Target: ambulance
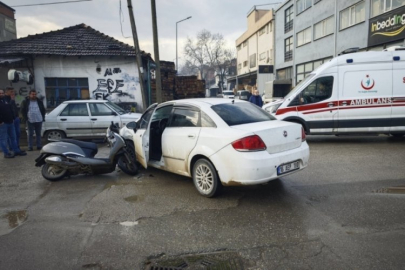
353	93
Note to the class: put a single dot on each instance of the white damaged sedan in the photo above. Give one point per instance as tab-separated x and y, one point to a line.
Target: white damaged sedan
219	142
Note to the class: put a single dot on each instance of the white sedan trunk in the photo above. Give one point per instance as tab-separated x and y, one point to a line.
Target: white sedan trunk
278	136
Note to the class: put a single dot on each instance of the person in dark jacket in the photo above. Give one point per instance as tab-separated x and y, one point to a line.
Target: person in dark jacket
256	99
10	96
7	128
33	113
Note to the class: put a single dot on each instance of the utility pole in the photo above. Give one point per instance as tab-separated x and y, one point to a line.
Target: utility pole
156	51
137	52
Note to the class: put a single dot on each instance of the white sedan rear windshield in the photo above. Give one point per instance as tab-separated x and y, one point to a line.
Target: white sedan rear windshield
228	93
240	113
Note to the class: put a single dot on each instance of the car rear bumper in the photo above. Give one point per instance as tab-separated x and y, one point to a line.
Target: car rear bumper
251	168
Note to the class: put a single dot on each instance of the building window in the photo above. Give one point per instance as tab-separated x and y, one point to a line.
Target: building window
244	44
253	60
289	18
239	66
304	70
304	37
262	56
239	47
59	90
288	49
352	15
244	63
262	31
303	5
284	74
381	6
323	28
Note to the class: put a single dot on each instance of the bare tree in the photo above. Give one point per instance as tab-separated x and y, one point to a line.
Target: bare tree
209	54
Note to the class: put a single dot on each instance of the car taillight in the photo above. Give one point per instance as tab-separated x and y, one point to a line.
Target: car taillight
303	135
251	143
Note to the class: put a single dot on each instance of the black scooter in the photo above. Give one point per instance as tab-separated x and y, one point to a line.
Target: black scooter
70	157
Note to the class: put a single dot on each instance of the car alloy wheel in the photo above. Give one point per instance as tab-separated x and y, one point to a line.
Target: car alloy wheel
205	178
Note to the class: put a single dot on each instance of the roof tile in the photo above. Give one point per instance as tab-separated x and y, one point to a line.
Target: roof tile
75	40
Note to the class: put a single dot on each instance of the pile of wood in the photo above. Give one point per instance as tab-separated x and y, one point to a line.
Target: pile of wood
168	75
177	87
189	87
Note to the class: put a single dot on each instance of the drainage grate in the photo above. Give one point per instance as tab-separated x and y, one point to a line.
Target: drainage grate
392	190
209	261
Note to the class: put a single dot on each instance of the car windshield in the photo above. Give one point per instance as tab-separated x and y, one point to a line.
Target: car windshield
244	93
116	108
240	113
298	86
229	93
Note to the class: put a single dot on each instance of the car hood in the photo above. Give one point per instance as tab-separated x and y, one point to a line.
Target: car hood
275	102
131	116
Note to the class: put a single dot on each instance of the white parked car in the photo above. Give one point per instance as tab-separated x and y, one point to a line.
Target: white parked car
219	142
228	94
84	119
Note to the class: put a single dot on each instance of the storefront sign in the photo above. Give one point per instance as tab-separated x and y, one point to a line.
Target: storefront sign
265	69
388	27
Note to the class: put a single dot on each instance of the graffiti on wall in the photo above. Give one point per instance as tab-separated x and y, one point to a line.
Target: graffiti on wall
22	91
116	86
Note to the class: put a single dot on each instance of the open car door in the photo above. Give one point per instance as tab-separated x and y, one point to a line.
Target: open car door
142	135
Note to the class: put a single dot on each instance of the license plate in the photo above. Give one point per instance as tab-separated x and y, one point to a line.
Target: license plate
288	167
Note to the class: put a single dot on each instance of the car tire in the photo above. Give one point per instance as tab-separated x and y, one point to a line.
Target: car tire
205	178
127	167
54	135
53	172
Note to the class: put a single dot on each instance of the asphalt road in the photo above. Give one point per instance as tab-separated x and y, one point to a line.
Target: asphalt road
342	212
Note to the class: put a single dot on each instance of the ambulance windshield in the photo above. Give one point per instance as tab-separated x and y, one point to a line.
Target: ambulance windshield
298	86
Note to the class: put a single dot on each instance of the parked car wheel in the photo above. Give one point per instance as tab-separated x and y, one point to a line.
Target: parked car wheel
54	135
53	172
206	179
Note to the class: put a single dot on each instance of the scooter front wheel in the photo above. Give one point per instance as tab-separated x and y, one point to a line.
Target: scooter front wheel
127	167
53	172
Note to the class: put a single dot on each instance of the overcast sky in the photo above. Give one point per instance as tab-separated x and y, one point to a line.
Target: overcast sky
227	17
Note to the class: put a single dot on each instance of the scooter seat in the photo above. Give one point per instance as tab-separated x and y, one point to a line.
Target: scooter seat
89	148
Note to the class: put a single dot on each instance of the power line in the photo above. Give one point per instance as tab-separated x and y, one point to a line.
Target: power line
121	21
52	3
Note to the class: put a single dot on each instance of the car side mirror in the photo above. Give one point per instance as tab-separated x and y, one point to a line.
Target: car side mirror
136	127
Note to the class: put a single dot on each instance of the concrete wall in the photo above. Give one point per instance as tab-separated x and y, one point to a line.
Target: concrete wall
325	47
116	80
256	44
356	35
8	28
281	36
320	48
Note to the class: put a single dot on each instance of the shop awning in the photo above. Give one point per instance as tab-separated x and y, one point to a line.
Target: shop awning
284	81
242	76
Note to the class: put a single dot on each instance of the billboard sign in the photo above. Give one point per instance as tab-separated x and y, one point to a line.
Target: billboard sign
387	27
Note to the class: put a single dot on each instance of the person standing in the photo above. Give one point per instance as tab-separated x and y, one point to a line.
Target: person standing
10	96
7	131
33	113
256	99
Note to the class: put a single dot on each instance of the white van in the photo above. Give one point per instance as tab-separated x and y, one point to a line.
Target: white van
352	93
